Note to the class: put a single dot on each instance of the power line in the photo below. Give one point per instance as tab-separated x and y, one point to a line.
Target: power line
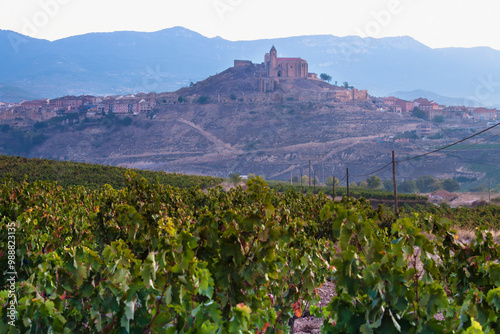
445	147
375	171
434	151
458	149
428	153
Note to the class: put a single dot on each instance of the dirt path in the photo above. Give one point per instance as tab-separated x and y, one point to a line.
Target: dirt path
219	143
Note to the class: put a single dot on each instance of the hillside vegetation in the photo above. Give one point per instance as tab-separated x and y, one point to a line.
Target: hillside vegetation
69	173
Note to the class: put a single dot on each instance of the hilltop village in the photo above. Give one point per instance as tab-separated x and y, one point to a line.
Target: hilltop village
275	80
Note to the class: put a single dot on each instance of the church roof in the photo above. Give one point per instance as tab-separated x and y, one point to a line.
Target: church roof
289	59
273	49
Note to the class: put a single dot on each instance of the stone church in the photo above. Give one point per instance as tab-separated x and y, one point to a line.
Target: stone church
273	69
284	67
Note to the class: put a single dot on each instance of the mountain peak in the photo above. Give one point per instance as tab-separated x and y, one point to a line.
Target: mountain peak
166	60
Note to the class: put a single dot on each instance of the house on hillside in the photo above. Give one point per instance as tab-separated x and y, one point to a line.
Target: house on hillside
424	130
35	105
406	106
396	105
425	105
485	114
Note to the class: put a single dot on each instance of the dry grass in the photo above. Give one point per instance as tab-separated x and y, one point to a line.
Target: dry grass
468	235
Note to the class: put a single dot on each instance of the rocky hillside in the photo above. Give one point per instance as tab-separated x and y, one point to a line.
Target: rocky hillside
217	139
226	124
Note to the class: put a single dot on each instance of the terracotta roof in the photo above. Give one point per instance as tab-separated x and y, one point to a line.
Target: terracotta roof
484	111
34	102
290	59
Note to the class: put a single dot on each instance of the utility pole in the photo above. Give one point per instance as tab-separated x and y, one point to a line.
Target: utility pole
323	169
333	189
314	181
309	173
347	174
489	190
394	184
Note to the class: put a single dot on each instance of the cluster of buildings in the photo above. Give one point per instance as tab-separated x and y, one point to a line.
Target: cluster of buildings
433	109
87	106
273	77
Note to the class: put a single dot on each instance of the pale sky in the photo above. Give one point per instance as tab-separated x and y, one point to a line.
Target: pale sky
436	23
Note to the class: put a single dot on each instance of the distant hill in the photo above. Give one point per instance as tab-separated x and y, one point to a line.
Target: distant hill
68	173
449	101
166	60
302	126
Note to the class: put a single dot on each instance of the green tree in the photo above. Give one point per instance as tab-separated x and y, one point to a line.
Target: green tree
235	178
233	97
363	184
451	185
180	99
126	121
203	99
388	185
418	113
438	119
408	186
325	77
427	184
329	181
478	189
305	180
374	182
40	125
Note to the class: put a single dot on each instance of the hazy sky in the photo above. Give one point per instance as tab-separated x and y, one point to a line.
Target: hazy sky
436	23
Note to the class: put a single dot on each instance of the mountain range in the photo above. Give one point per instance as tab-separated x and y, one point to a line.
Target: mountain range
129	62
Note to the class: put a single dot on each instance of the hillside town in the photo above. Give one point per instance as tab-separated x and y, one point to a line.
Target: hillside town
275	80
26	113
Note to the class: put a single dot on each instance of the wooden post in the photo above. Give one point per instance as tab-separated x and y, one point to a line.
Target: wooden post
394	184
309	173
333	189
489	190
314	181
347	174
323	170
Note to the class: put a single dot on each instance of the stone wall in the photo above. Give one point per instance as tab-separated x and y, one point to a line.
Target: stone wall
242	63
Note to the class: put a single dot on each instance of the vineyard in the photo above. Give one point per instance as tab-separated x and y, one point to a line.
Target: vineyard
356	192
150	258
487	216
69	173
